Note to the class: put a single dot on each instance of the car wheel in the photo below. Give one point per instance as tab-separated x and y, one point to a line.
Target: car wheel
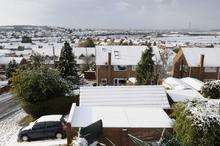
24	138
59	135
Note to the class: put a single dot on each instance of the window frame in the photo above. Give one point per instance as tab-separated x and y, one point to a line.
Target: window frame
116	67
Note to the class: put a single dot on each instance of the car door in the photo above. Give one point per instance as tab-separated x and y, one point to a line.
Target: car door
38	131
51	128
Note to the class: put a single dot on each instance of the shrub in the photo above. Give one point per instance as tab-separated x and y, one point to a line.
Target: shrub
42	91
26	39
11	68
211	89
197	123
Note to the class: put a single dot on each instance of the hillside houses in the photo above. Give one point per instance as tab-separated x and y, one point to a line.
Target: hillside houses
200	63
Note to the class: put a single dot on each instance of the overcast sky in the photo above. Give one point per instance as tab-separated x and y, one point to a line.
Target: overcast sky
134	14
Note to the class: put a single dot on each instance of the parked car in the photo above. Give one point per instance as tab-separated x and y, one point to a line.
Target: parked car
50	126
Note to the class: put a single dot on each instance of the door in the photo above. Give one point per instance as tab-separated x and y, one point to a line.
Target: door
38	131
51	128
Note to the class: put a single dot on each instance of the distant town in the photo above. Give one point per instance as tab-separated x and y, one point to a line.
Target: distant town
87	87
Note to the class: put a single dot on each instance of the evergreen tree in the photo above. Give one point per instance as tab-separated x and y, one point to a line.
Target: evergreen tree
11	68
67	64
145	68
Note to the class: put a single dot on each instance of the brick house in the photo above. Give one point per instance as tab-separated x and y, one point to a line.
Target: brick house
200	63
116	64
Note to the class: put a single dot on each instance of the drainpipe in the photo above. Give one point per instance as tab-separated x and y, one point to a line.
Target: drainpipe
109	68
202	57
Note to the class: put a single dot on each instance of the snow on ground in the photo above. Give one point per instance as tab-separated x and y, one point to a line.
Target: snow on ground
52	142
9	128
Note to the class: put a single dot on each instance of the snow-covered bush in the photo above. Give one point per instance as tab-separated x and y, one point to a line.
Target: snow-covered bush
211	89
42	91
197	123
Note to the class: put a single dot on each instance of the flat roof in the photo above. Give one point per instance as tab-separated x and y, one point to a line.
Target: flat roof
119	117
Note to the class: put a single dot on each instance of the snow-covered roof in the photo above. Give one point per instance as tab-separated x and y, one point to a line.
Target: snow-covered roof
175	84
123	55
193	82
192	56
181	90
49	118
148	96
6	60
184	95
119	117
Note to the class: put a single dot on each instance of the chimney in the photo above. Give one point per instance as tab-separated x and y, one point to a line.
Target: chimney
202	57
109	58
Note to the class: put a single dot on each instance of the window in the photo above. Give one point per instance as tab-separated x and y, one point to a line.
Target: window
210	69
119	81
134	67
116	53
120	68
104	81
52	124
40	125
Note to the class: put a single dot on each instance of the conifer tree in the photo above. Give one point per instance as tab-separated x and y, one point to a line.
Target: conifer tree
145	68
12	66
67	64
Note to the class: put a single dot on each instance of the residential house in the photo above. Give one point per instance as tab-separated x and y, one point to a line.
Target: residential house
200	63
116	64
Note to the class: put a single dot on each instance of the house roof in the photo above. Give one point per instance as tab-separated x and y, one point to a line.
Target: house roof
119	117
148	96
192	56
123	55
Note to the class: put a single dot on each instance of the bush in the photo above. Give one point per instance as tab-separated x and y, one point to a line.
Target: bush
55	105
26	39
197	124
42	91
211	89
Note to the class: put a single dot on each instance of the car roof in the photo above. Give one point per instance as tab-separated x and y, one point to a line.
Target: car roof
50	118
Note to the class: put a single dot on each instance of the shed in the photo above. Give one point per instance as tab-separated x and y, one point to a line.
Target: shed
147	96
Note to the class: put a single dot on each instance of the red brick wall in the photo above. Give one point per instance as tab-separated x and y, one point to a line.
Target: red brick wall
103	72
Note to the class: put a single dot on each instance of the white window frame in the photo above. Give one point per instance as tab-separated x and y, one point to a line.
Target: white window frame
117	69
210	69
